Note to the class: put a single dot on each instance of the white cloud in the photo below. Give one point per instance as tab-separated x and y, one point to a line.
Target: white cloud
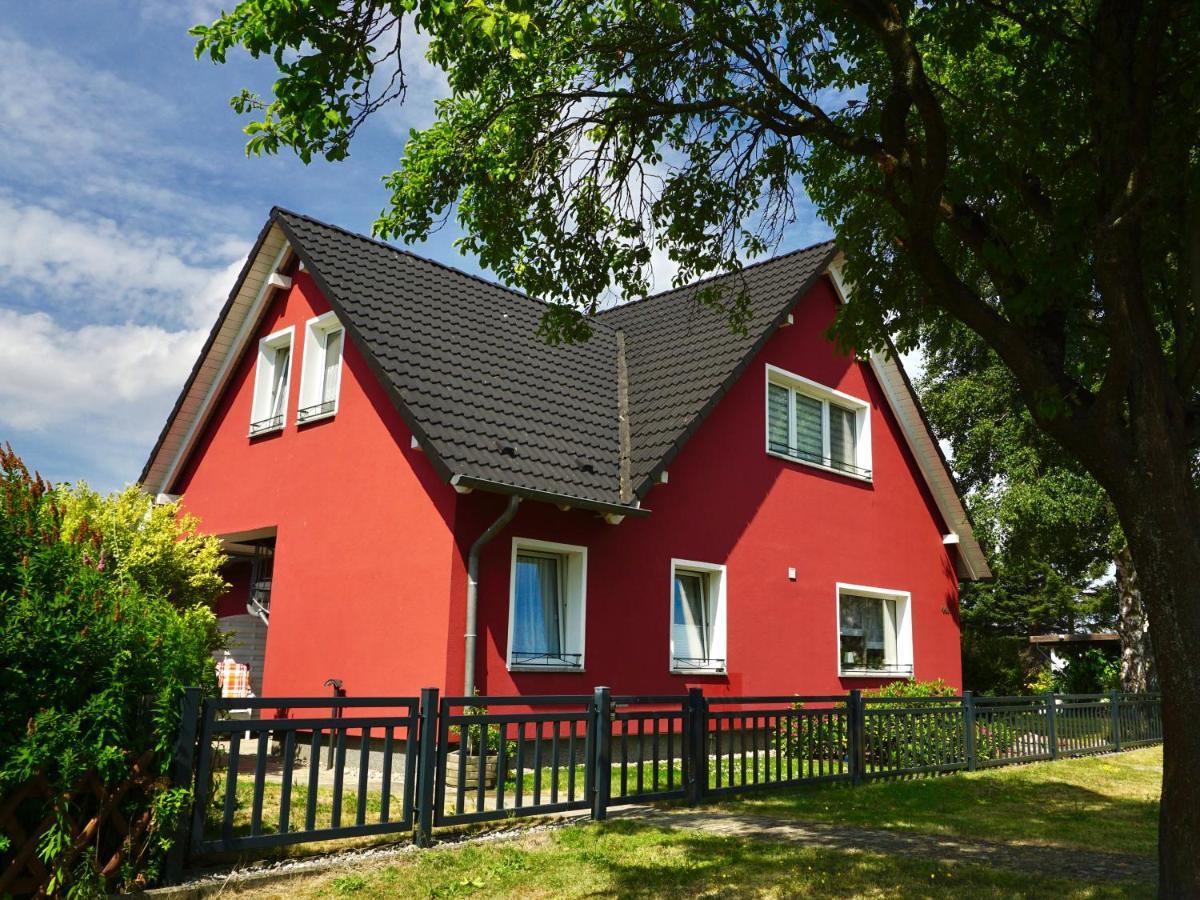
89	264
111	378
74	134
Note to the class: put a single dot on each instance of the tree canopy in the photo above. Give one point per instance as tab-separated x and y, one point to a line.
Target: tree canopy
1048	528
1031	171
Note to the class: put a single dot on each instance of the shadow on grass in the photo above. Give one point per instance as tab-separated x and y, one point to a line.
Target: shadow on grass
631	859
1040	811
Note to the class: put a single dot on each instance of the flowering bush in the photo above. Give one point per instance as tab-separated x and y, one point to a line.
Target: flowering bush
92	660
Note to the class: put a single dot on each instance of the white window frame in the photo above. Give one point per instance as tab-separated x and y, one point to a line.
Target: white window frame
903	627
575	585
826	395
263	376
312	371
717	576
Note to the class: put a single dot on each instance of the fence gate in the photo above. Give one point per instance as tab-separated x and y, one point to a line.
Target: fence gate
335	767
499	757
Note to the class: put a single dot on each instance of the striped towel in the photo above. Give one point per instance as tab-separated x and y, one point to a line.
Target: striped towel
234	678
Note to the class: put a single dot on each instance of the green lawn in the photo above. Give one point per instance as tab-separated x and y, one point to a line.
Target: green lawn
1105	802
628	859
1100	803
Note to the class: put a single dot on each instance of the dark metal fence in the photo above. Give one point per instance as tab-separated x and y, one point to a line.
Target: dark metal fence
304	769
264	782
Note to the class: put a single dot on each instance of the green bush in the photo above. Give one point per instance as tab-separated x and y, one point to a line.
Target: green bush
1091	672
92	659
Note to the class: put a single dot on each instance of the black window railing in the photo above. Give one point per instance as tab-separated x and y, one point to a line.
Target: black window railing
817	459
697	664
546	658
316	410
268	424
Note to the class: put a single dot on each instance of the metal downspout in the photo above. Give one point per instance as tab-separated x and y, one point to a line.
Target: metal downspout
473	590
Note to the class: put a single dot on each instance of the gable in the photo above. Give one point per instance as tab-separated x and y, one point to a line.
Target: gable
497	408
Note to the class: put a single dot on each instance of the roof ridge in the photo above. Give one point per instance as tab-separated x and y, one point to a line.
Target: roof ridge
405	252
425	259
708	278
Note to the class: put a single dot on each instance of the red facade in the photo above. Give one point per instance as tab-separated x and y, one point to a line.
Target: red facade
369	580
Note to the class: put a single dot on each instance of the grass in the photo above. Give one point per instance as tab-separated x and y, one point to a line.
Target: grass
629	859
1105	802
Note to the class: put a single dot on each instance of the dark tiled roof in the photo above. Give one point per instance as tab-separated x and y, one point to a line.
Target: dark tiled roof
489	397
494	402
683	356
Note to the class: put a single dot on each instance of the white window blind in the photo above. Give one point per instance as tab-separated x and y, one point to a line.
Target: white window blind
806	424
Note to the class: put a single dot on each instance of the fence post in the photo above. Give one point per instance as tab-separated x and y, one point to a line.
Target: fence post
697	749
1114	701
426	766
183	776
602	745
968	705
1051	729
856	752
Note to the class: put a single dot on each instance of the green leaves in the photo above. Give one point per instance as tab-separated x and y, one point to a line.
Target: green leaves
103	620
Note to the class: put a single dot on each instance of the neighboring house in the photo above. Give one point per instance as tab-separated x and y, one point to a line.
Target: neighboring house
668	504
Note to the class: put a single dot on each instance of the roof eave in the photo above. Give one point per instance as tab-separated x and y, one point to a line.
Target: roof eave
500	487
166	460
938	476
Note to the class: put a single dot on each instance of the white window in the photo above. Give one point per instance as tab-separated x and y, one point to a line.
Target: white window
321	376
874	632
812	424
697	617
268	412
546	608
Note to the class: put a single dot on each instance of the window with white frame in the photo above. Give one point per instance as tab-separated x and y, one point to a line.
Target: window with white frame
321	376
813	424
269	409
547	605
874	632
697	617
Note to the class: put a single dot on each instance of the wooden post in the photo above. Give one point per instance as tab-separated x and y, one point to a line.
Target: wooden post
183	776
968	705
1114	701
601	722
426	766
1051	730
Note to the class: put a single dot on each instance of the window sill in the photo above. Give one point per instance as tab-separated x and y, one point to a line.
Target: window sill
874	673
519	668
867	479
262	432
675	671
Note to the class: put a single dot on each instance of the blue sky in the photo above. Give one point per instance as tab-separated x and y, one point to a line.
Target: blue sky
127	206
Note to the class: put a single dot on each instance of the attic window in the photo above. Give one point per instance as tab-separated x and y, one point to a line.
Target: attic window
321	377
269	410
816	425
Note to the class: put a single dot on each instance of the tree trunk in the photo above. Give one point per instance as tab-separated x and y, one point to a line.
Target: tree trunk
1138	674
1161	521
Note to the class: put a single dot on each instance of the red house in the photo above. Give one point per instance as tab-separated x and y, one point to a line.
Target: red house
416	490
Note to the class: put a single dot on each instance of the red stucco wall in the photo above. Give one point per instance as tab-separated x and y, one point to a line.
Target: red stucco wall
369	575
728	502
364	541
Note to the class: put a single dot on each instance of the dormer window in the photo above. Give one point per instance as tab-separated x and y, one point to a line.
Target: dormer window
320	381
269	410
